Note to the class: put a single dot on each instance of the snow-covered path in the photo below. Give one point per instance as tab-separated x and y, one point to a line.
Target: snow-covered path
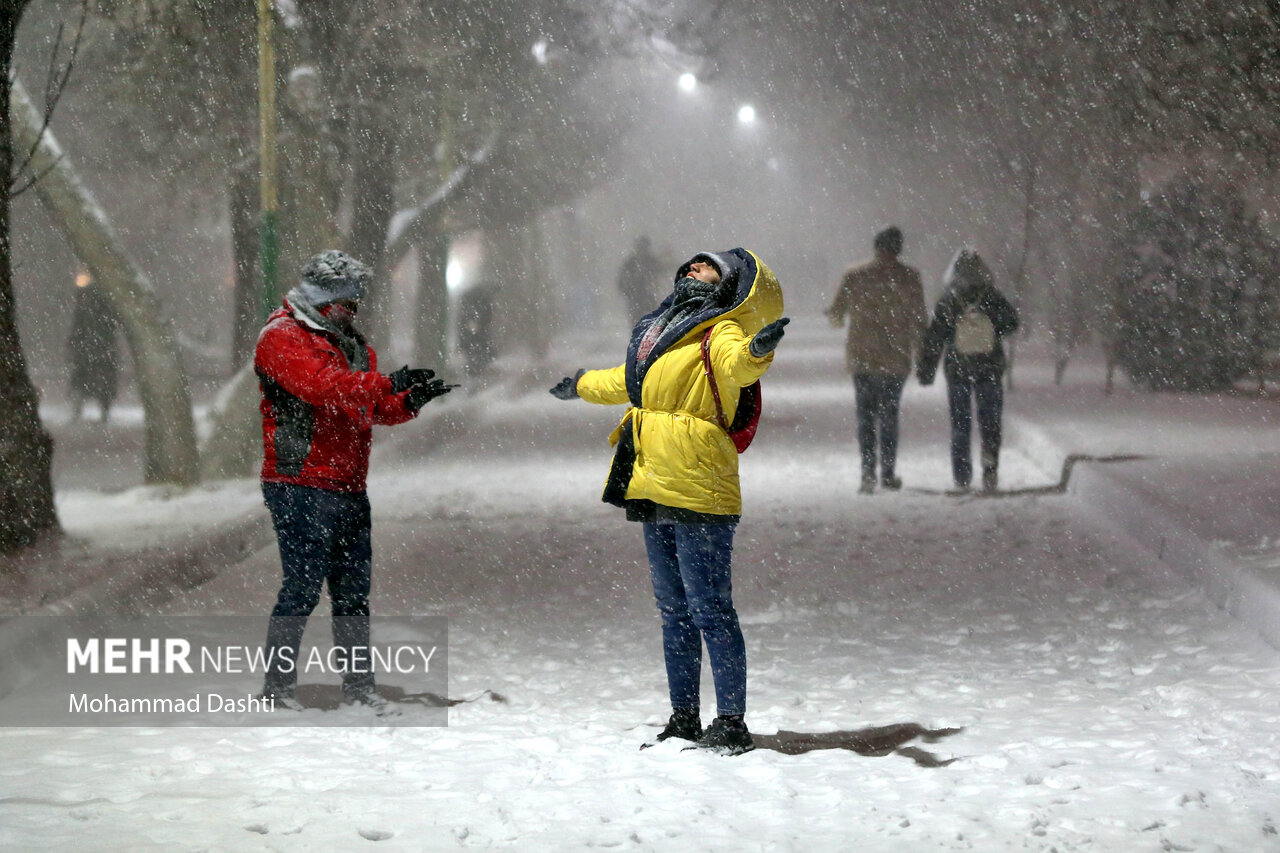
1103	706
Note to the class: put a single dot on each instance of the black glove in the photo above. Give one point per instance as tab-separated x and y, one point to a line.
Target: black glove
420	395
766	340
567	388
407	377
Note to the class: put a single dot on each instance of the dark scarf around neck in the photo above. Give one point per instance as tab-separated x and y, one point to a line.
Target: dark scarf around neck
351	343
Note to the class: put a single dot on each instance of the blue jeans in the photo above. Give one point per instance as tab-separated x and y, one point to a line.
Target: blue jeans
962	391
690	566
877	398
324	536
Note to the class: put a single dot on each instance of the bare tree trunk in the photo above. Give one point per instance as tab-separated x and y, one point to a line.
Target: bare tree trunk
170	436
1116	193
523	312
502	266
247	307
26	449
310	186
233	445
538	290
1020	272
372	205
431	311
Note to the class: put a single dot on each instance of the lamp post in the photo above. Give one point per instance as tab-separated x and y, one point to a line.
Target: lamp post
268	227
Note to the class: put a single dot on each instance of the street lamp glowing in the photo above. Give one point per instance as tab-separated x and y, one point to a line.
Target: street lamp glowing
454	275
687	82
746	114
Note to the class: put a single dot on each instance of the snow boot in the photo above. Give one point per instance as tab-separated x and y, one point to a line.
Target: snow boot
890	482
726	736
381	706
868	486
280	701
990	465
684	724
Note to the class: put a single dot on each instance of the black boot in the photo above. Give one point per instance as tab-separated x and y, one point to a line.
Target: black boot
990	477
727	736
686	725
281	698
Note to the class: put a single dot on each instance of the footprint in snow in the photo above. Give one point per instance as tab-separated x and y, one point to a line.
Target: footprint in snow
374	834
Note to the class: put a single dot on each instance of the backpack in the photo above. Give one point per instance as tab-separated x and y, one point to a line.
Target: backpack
750	403
975	333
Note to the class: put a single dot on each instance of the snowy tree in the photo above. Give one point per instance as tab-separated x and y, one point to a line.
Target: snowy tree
987	95
26	450
170	438
382	102
1206	74
180	78
1196	302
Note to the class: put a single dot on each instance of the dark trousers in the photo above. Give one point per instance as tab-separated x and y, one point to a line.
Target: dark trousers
323	538
690	566
878	398
963	390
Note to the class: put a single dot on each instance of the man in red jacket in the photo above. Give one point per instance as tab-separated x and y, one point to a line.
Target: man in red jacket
321	396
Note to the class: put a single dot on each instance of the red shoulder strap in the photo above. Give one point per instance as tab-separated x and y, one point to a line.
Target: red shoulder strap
711	377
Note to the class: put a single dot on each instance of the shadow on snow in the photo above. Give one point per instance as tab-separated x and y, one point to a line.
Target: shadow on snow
875	741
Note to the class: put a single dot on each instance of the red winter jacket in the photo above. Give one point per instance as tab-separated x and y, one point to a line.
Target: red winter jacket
317	413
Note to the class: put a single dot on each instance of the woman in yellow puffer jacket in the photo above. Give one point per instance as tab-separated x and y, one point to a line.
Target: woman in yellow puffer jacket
675	468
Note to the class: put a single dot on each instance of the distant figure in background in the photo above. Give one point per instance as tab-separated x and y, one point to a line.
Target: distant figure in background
969	323
637	278
475	328
884	301
91	347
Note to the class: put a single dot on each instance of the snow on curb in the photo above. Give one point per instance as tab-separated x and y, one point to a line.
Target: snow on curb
1163	532
128	581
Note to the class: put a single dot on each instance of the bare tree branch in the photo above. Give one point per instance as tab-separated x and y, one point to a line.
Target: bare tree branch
55	85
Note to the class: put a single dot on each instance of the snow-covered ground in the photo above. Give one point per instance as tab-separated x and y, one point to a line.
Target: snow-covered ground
1101	704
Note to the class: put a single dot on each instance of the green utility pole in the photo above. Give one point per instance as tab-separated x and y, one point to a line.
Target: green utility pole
268	228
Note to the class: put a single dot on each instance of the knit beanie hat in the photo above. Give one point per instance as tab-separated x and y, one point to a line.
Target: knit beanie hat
332	276
721	265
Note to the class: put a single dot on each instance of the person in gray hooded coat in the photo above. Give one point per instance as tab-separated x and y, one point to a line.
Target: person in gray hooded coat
970	322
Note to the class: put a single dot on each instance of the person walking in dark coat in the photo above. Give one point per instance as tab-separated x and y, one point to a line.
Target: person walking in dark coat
91	347
884	301
321	396
971	320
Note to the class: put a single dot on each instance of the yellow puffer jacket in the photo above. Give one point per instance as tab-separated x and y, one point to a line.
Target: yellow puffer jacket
683	458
